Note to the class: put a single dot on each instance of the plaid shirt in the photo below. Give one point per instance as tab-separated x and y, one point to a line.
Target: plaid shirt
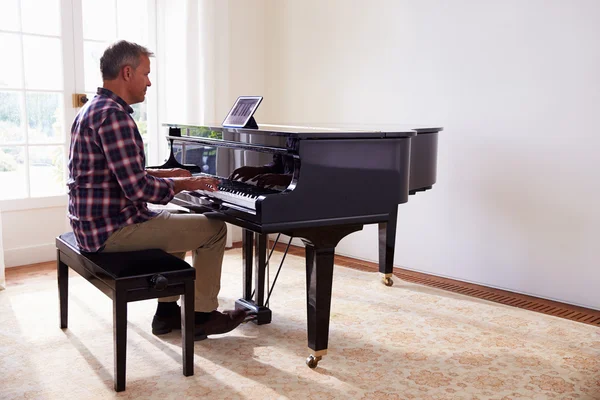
108	183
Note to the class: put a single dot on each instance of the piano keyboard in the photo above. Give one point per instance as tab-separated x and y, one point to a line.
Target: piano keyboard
235	194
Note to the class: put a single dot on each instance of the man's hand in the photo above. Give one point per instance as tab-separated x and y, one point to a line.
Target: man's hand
169	173
247	172
271	180
196	183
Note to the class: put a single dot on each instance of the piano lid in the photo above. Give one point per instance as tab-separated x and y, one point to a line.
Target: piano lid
383	127
302	131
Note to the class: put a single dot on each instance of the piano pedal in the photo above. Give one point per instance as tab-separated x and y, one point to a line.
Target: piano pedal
258	314
250	317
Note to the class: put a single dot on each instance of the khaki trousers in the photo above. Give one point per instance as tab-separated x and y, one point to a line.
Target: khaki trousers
178	234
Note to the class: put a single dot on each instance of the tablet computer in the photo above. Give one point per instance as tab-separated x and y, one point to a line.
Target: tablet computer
240	115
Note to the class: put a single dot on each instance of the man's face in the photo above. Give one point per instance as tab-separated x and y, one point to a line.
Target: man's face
139	80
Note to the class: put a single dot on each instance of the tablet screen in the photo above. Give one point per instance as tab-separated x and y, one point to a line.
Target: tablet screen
242	111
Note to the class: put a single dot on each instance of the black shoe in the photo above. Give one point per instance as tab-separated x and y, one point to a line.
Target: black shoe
166	322
220	322
162	325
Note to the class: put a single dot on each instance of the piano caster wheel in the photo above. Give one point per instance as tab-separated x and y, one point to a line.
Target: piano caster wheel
312	361
387	281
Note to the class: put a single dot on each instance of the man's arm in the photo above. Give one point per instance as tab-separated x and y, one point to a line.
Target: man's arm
124	152
169	173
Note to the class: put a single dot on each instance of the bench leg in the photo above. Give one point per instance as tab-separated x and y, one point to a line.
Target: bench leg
63	290
120	337
187	329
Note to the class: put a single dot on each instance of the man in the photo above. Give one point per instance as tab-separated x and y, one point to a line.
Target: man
109	188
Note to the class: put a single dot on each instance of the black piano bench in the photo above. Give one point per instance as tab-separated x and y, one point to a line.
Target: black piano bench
129	276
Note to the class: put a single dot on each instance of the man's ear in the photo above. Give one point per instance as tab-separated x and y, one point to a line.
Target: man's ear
126	72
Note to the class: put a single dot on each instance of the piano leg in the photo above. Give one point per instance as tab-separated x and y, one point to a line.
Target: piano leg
247	244
263	314
320	251
260	260
387	242
319	280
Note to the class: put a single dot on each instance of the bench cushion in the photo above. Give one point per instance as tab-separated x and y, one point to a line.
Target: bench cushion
128	263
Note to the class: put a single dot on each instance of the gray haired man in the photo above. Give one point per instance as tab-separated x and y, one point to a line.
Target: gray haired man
109	188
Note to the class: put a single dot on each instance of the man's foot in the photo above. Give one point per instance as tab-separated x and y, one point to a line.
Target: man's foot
165	323
217	322
220	322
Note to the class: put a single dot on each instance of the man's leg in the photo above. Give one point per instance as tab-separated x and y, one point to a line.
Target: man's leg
168	313
176	234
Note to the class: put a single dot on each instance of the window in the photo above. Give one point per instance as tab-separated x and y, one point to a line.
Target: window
32	99
50	50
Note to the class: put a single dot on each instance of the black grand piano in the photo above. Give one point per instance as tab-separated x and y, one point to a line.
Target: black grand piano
340	178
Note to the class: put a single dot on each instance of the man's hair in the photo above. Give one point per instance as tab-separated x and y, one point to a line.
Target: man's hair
120	54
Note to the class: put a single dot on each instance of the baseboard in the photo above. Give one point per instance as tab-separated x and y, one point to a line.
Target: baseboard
550	307
29	255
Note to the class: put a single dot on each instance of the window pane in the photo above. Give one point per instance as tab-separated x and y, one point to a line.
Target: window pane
136	32
9	17
99	20
140	116
92	51
41	17
146	152
12	173
10	66
43	63
10	118
46	166
45	117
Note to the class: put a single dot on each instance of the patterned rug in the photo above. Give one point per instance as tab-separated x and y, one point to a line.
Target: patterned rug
401	342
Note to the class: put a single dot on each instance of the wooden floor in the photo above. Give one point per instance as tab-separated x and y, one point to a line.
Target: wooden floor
22	275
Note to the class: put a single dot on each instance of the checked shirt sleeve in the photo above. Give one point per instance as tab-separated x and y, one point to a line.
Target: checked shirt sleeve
124	151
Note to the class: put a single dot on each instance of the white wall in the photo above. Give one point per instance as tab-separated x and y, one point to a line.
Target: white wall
515	85
247	61
28	234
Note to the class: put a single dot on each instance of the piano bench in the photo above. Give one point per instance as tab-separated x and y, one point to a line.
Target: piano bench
129	276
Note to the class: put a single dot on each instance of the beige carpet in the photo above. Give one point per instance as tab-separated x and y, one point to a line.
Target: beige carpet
401	342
